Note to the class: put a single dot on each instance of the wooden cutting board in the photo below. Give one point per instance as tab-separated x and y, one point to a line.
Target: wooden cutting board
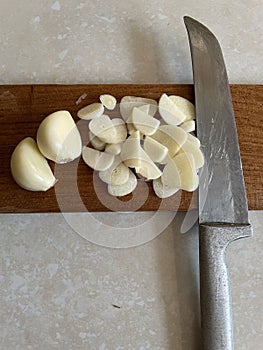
23	107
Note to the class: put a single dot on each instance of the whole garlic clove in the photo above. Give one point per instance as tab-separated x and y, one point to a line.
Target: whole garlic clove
124	189
30	168
186	107
161	190
97	160
146	124
116	174
58	138
108	101
94	110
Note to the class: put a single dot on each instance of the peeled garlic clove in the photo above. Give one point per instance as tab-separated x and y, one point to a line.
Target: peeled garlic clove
186	107
180	172
143	122
58	137
96	142
131	149
170	113
116	174
170	136
188	126
97	160
190	147
194	140
30	168
155	150
113	148
121	130
103	128
124	189
94	110
129	102
161	190
108	101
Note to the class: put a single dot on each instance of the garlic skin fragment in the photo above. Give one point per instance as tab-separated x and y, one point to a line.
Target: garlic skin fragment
58	138
113	148
146	124
103	128
180	172
155	150
30	168
96	142
124	189
170	136
186	107
169	111
94	110
116	174
188	126
129	102
161	190
108	101
97	160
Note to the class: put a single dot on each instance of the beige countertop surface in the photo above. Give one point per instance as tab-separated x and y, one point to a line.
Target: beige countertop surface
61	291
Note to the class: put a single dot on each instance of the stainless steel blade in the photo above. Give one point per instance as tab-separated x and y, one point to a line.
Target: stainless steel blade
222	196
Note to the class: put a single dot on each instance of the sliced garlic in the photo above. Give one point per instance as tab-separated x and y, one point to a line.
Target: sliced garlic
129	102
193	139
186	107
30	168
170	136
188	126
131	150
96	142
148	169
113	148
97	160
143	122
190	147
155	150
161	190
116	174
121	130
124	189
180	173
103	128
108	101
58	137
170	113
94	110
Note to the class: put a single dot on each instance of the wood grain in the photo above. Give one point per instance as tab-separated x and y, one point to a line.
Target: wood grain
23	107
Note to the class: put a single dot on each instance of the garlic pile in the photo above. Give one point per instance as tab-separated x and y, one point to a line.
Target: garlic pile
137	143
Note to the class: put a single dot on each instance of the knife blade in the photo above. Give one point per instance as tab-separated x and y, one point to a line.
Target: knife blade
223	211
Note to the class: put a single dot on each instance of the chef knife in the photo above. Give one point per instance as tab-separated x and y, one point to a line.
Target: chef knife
223	211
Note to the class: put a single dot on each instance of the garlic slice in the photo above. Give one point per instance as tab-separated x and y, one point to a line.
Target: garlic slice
129	102
94	110
131	150
180	173
155	150
96	142
108	101
170	136
169	111
188	126
117	174
161	190
148	169
194	140
121	130
186	107
103	128
58	137
30	168
97	160
113	148
143	122
124	189
190	147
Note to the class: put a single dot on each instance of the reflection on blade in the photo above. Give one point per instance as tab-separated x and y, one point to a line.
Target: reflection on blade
222	196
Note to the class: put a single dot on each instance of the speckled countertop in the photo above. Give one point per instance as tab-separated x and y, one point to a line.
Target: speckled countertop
58	290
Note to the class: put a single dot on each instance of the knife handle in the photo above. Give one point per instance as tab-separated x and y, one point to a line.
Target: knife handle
215	296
